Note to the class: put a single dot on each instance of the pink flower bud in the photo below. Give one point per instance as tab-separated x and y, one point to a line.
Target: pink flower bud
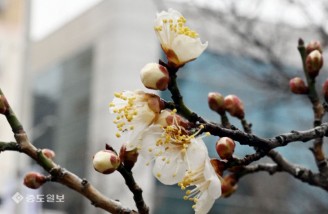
297	86
216	102
129	158
313	45
155	76
325	90
3	104
314	62
48	153
225	147
228	185
106	161
234	106
34	180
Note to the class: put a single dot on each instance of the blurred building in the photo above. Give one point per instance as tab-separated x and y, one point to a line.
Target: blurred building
75	72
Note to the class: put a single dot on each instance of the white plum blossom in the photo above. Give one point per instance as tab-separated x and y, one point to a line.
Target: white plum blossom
135	111
179	42
173	150
206	187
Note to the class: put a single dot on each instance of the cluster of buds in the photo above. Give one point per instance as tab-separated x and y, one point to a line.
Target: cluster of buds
4	106
34	180
155	76
230	103
225	147
314	59
106	161
297	86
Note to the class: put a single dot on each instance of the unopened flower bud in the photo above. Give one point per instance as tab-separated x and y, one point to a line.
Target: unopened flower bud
34	180
314	62
129	158
234	106
228	185
297	86
313	45
106	161
216	102
3	104
155	76
325	90
218	166
225	147
48	153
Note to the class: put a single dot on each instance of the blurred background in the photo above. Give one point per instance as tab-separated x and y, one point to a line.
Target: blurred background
61	61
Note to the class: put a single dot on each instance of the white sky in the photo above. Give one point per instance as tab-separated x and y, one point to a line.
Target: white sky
48	15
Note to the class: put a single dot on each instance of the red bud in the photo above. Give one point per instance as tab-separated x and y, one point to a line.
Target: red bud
216	102
48	153
34	180
314	62
234	106
225	147
297	86
312	46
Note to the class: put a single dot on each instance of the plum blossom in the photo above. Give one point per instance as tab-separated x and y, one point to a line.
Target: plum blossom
173	150
135	111
203	187
179	42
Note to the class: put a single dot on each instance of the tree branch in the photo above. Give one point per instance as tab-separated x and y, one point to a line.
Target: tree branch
58	174
135	189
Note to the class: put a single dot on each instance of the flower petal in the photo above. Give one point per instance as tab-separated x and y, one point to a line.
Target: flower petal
148	147
204	204
170	170
187	48
196	154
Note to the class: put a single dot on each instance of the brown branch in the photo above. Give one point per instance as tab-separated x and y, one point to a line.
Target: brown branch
135	189
318	112
268	167
301	173
58	174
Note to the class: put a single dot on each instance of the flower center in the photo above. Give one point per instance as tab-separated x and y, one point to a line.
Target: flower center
177	27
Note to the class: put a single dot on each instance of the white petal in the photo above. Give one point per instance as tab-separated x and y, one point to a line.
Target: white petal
214	189
187	48
169	173
196	154
148	148
204	204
